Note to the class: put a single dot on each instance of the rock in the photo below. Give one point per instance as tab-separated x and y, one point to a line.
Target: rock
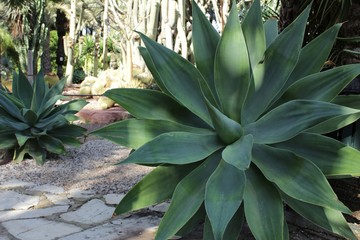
13	200
96	116
162	207
113	198
31	213
57	199
48	188
14	183
39	229
80	194
92	212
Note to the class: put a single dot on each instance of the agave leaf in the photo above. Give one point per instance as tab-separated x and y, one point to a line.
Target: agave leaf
152	68
254	34
176	148
304	67
187	198
291	118
51	97
11	122
36	152
227	129
7	105
153	105
194	222
22	89
262	202
326	218
331	156
69	130
296	176
273	71
7	139
232	68
334	123
30	116
180	78
351	101
134	133
205	40
323	86
233	229
271	31
222	199
21	138
39	92
155	187
48	106
238	154
51	144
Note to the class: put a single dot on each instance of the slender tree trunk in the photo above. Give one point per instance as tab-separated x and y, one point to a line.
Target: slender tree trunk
71	42
45	58
61	23
105	34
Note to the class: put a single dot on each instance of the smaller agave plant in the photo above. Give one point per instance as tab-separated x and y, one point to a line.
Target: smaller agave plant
31	122
241	132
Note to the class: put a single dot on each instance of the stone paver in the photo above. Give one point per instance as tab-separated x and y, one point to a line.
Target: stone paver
113	199
48	188
31	213
57	199
39	229
80	194
92	212
14	183
13	200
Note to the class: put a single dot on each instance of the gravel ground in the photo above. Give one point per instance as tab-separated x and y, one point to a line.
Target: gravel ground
89	167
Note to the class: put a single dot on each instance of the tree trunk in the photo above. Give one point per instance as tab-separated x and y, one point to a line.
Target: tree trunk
105	34
45	58
71	42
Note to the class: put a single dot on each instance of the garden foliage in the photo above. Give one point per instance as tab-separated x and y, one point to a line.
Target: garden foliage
32	123
241	132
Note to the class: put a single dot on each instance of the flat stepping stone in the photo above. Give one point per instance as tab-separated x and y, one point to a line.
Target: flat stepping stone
92	212
162	207
13	200
48	188
134	228
113	199
39	229
14	183
80	194
31	213
57	199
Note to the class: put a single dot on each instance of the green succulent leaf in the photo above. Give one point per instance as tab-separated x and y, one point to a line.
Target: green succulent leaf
254	34
296	176
152	68
262	202
323	86
232	68
10	108
187	198
154	188
351	101
21	89
331	156
272	72
233	229
134	133
291	118
176	148
153	105
205	40
271	31
193	223
181	78
238	154
304	67
227	129
39	92
21	138
30	116
51	144
7	139
68	130
222	199
326	218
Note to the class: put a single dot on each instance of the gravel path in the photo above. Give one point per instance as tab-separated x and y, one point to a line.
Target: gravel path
89	167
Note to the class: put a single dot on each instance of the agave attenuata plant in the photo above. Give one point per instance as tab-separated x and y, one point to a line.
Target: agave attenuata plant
241	132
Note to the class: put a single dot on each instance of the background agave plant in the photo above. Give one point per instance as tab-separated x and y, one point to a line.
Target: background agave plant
30	121
242	132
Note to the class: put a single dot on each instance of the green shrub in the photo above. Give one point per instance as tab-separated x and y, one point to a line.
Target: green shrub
241	133
30	121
